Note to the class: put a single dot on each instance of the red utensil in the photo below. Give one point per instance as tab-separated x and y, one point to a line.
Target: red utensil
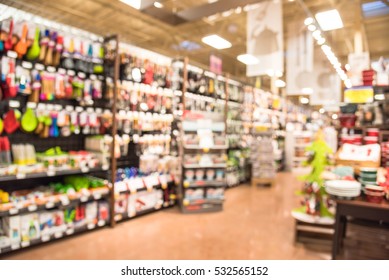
8	43
11	124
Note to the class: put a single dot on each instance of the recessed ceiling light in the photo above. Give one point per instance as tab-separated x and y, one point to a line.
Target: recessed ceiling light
158	5
322	111
133	3
279	83
329	20
334	116
304	100
308	21
247	59
347	66
311	27
216	42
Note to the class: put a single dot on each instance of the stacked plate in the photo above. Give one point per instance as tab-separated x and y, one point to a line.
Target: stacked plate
343	188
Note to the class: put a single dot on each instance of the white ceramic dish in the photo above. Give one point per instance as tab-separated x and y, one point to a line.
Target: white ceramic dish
343	184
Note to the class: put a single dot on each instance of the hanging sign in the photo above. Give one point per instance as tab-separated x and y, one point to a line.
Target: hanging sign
359	95
265	38
215	64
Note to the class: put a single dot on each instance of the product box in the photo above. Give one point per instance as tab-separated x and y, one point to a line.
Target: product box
11	228
91	212
144	200
121	204
103	208
80	217
59	224
30	227
46	223
4	240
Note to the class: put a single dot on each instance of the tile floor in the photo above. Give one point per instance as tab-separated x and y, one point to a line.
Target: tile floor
255	224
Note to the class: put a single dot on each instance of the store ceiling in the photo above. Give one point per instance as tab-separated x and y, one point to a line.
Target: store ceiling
184	39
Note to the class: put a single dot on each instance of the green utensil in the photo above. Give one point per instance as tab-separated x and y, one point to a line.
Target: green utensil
35	49
29	121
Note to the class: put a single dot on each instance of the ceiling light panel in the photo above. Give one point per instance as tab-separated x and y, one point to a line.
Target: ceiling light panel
329	20
216	42
248	59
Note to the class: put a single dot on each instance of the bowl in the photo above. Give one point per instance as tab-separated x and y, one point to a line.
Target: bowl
348	108
368	170
370	140
374	188
374	197
372	132
347	120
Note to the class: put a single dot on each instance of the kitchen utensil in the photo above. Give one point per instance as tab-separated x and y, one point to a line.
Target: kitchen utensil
8	44
43	45
50	50
29	121
58	51
34	50
21	46
11	124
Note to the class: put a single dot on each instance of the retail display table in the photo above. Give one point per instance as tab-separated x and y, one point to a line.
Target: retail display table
358	209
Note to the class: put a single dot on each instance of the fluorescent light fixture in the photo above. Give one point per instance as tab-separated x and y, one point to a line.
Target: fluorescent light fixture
216	42
279	74
308	21
329	20
311	27
322	111
334	116
133	3
379	96
307	90
321	41
158	5
279	83
348	83
316	34
247	59
304	100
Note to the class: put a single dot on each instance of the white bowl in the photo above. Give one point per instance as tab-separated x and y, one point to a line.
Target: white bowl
343	184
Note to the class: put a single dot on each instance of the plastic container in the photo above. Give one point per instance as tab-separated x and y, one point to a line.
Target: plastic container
347	120
370	140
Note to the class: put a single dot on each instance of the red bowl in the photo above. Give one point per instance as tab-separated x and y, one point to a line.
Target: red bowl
372	132
374	197
370	140
347	120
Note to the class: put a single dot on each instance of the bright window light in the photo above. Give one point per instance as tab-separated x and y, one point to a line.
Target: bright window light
158	5
247	59
280	83
329	20
216	42
133	3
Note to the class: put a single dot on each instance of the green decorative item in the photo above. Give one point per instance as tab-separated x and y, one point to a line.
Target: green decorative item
314	192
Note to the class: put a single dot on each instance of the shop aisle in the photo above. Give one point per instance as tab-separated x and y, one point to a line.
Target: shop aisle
255	224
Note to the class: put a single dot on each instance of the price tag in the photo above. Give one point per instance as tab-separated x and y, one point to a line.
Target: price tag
32	208
12	54
132	213
97	196
81	75
120	187
45	238
71	73
20	205
70	231
165	204
39	67
25	244
84	169
62	71
20	176
26	64
50	205
58	234
64	200
105	167
93	77
51	173
13	211
101	223
91	226
84	198
15	246
51	69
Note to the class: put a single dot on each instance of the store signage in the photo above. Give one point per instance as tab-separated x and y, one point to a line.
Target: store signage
265	38
359	95
215	64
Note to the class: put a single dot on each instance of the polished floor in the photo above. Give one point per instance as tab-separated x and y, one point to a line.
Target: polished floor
255	224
